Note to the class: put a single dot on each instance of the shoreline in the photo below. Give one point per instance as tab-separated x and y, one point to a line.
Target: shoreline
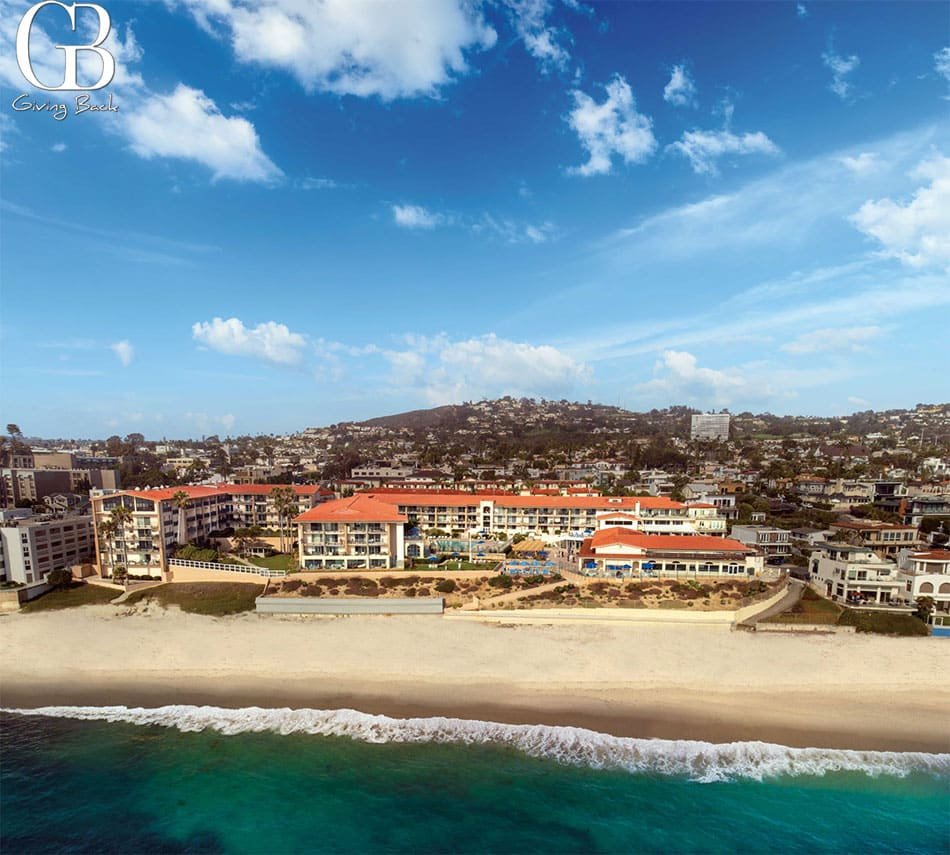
700	683
662	714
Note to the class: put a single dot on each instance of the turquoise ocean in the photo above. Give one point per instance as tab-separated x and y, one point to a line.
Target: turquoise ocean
205	779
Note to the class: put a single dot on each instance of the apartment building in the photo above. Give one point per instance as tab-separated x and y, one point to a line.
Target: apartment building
887	539
31	546
34	485
355	533
856	574
618	552
926	574
771	542
143	544
707	518
551	517
709	426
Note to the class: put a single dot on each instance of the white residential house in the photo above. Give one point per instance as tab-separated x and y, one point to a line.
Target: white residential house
768	540
856	574
926	574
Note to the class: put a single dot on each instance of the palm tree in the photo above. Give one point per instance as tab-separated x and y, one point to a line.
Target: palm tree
107	530
285	503
181	501
120	517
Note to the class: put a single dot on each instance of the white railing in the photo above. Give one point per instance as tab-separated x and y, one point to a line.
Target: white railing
227	568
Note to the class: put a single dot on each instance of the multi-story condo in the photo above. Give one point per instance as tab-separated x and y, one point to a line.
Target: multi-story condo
709	426
619	552
769	541
886	539
355	533
551	517
32	546
707	518
856	573
34	485
144	542
926	574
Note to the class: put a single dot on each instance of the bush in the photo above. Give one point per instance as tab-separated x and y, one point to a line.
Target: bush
58	578
424	592
410	592
883	623
446	586
291	585
501	581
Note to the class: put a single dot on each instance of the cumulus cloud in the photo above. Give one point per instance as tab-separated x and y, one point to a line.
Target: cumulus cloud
358	47
703	149
801	10
846	339
678	375
483	366
542	41
59	147
612	127
861	164
124	351
840	67
918	231
680	91
184	124
270	341
187	124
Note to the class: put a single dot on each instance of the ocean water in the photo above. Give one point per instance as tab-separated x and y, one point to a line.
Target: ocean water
203	779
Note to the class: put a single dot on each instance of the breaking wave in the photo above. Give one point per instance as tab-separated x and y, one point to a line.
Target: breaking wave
698	761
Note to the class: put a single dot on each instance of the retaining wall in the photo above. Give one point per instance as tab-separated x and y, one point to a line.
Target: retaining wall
351	606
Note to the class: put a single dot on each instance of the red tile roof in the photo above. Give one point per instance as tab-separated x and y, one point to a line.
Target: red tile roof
617	536
201	491
506	500
358	508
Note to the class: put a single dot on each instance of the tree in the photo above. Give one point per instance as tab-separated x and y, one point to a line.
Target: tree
58	578
285	503
107	530
181	500
925	608
119	517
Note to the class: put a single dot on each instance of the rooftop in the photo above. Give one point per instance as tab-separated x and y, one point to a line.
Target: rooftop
358	508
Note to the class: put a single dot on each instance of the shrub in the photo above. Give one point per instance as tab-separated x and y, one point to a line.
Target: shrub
424	592
57	578
501	581
446	586
291	585
535	580
334	592
389	582
883	623
409	592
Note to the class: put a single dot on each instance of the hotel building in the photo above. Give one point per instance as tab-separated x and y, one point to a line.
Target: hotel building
355	533
30	547
549	517
144	543
620	552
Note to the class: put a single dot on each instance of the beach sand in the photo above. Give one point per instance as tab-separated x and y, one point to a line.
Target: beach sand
647	680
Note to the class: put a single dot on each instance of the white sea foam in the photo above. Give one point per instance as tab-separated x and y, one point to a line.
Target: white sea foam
699	761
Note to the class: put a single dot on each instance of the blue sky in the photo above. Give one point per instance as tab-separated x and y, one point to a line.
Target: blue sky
305	213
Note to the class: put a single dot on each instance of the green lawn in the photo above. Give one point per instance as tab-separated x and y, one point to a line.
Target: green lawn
811	609
276	562
484	566
203	598
77	594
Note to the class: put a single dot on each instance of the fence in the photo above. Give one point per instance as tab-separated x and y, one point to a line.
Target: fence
227	568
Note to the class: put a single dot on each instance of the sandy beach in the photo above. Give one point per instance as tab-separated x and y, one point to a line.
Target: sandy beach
654	680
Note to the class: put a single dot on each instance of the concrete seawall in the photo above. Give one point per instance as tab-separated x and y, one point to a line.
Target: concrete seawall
352	606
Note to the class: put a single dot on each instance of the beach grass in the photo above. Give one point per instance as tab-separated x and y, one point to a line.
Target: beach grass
883	623
77	594
203	598
280	561
812	608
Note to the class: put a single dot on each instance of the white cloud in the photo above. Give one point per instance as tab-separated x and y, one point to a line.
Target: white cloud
858	402
124	351
704	148
59	147
918	232
613	127
847	339
319	184
353	47
678	375
680	91
801	10
840	68
416	217
206	423
942	63
187	124
513	232
543	42
861	164
269	341
483	366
